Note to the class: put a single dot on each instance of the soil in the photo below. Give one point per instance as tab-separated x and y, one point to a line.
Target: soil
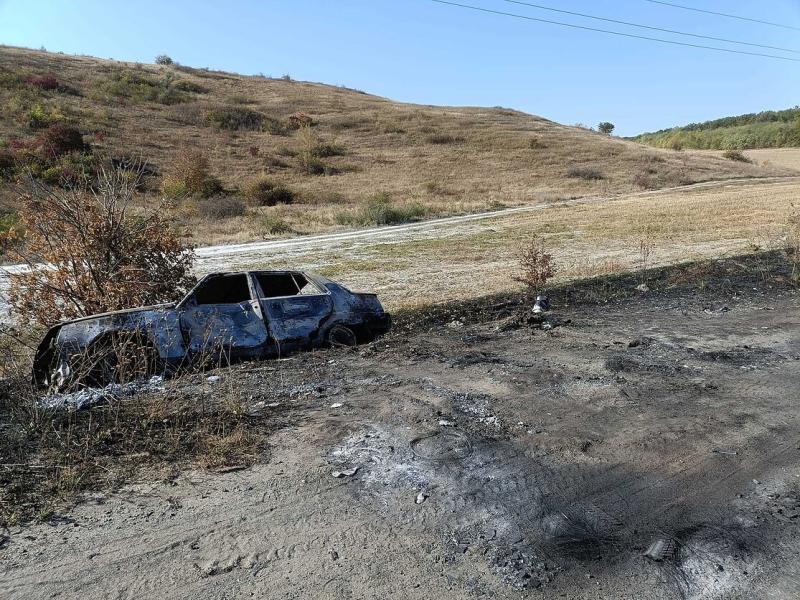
643	447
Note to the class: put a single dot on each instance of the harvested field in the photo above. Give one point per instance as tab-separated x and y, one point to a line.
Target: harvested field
436	262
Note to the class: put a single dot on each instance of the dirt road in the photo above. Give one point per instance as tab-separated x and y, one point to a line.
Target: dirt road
474	457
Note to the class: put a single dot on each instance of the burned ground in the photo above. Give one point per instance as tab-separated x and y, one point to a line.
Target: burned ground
473	454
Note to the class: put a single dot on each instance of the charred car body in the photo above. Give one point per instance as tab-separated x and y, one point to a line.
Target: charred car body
225	317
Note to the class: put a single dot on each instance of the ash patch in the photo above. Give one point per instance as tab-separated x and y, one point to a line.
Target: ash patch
482	496
470	408
88	397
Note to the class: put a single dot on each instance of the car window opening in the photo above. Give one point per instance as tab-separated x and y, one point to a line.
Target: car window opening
230	289
277	285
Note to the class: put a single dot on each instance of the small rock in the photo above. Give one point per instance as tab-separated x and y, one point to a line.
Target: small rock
421	497
642	287
337	405
345	473
213	378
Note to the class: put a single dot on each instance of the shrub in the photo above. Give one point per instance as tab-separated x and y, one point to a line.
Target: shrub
273	224
234	118
220	207
444	138
735	155
536	144
379	210
189	176
276	127
101	257
60	139
587	173
39	116
264	191
8	165
536	266
163	59
44	82
184	85
174	190
300	119
322	150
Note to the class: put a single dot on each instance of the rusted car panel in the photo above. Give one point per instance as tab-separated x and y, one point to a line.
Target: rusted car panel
228	316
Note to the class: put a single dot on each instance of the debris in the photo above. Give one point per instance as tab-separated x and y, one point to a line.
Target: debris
541	305
455	324
445	423
721	451
421	497
661	549
642	287
345	473
213	378
337	405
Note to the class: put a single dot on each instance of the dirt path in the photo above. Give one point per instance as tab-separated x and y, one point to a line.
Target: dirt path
491	461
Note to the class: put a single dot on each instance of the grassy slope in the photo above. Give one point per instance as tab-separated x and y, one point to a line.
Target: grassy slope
770	129
494	156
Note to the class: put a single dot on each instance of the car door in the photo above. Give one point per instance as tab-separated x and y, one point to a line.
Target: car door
294	307
221	318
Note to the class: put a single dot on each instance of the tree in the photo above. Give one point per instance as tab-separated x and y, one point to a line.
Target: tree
605	127
163	59
87	253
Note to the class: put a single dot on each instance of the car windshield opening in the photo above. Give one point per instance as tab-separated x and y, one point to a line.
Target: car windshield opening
229	289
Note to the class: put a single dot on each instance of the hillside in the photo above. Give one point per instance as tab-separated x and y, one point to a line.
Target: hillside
769	129
364	159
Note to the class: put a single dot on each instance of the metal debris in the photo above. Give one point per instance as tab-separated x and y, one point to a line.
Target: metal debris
661	549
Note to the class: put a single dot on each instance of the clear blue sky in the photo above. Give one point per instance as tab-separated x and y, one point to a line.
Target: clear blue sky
418	51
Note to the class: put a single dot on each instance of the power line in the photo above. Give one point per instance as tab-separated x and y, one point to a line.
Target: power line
652	28
617	33
720	14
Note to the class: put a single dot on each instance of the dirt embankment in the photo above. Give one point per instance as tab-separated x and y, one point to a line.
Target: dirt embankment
471	456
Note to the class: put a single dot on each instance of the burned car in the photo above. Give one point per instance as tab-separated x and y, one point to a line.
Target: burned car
226	317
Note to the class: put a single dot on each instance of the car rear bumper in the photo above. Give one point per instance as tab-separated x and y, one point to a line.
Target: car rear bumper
379	324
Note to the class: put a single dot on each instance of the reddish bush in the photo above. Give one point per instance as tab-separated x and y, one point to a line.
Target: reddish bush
60	139
300	119
253	150
45	82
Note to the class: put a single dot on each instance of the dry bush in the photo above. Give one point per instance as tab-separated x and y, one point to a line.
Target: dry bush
793	241
646	246
87	253
586	173
264	191
536	266
189	176
220	207
735	155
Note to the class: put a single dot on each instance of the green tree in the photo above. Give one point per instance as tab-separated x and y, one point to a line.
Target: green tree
605	127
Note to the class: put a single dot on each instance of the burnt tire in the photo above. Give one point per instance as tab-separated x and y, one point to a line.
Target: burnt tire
341	336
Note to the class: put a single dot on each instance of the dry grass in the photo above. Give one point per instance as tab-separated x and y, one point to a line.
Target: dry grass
363	142
587	238
49	458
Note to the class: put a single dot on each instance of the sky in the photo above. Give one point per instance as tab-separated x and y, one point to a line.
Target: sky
429	53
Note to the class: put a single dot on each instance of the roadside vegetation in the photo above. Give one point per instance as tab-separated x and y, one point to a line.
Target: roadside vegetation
769	129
